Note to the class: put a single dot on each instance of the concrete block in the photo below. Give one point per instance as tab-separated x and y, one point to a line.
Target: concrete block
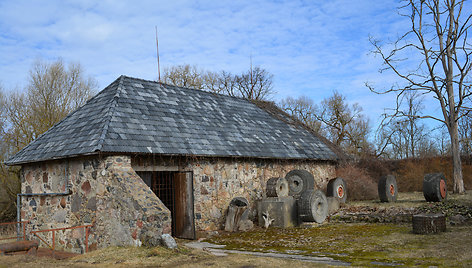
282	209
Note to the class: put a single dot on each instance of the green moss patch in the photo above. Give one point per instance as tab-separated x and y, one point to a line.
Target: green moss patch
358	243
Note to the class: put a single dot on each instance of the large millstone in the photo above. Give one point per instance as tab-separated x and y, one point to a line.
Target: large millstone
299	181
434	187
282	209
313	206
277	187
387	188
429	223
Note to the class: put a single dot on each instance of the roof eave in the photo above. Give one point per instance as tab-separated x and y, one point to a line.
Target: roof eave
19	163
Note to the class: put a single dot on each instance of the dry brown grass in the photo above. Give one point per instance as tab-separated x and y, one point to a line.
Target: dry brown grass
408	172
151	257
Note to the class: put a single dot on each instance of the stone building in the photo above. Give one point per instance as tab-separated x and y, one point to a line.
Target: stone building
143	158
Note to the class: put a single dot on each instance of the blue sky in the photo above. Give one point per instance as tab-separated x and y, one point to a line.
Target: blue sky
311	47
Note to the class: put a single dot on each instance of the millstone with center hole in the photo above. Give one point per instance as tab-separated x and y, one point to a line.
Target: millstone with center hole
313	206
429	223
337	188
299	181
277	187
387	188
434	187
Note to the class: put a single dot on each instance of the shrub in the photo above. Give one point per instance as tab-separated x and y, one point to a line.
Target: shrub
360	185
410	172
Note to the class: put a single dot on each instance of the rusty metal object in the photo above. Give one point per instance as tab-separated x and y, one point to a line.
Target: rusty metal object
53	246
442	188
23	223
18	246
429	223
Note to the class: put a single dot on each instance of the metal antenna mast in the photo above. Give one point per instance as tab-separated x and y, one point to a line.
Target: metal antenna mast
158	65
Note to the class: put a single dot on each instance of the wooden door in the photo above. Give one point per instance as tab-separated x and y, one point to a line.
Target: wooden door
184	216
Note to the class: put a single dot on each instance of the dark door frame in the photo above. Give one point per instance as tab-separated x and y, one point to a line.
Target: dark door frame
186	220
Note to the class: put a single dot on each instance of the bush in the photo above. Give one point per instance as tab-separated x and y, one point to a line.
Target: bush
360	185
410	172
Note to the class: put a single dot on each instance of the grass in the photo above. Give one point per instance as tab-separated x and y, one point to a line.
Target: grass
149	257
368	244
361	244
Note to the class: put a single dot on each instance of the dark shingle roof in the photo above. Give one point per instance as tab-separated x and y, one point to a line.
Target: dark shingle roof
137	116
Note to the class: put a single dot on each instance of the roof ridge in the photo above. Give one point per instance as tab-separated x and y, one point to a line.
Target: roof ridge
188	88
109	113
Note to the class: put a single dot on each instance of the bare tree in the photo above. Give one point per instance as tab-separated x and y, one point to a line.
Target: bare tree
222	83
2	109
465	134
443	142
343	124
52	93
184	76
346	125
402	130
438	38
303	109
9	183
255	84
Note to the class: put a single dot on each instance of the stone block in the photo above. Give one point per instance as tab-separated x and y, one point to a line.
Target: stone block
333	204
150	239
92	204
76	203
428	223
60	216
282	209
168	241
245	225
86	187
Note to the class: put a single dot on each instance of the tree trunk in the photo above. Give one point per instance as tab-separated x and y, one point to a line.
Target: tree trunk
456	160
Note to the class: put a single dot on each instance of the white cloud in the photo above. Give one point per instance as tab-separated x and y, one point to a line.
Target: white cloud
312	48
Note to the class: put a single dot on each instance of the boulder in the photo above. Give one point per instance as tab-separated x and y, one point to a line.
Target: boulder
168	241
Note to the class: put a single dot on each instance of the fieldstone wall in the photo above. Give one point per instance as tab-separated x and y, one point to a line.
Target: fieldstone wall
217	181
106	192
